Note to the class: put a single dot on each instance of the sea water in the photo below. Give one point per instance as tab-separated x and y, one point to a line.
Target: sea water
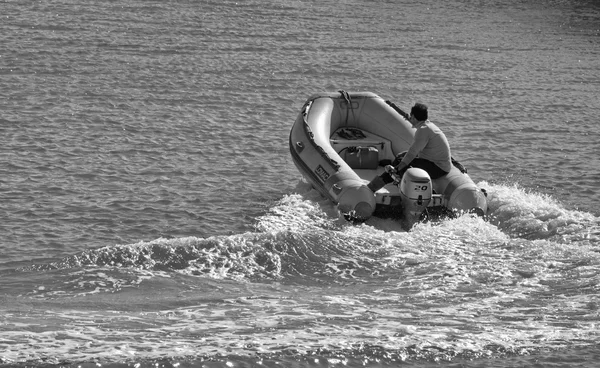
151	215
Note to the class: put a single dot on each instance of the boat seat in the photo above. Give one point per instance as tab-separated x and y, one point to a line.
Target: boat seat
347	138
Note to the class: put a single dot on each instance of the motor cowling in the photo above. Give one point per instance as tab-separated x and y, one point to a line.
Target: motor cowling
416	192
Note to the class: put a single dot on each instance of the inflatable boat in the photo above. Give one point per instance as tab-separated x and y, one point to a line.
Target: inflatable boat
340	141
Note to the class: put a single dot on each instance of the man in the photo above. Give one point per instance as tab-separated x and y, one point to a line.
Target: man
430	150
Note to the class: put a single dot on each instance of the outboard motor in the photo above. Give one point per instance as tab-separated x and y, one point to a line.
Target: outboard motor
416	192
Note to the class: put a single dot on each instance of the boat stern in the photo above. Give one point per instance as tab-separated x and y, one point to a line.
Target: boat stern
469	198
356	202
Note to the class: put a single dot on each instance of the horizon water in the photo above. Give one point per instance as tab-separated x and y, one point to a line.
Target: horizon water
152	215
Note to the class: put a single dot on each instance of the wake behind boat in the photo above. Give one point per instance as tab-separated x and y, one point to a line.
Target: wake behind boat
340	141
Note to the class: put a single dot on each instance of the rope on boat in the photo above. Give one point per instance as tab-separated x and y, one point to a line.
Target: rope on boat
348	99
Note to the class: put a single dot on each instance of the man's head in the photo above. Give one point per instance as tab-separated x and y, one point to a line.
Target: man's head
419	111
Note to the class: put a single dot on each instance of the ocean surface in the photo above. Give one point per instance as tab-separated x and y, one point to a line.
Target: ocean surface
151	215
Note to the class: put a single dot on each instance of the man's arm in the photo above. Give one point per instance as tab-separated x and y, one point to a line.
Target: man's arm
417	146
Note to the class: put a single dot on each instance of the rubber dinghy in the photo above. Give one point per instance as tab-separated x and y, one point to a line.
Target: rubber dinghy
341	140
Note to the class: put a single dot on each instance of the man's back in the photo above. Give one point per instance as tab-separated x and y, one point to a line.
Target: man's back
433	145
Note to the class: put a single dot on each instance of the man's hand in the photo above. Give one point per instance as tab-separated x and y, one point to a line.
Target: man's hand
390	169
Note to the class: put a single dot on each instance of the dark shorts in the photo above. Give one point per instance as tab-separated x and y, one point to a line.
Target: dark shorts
432	169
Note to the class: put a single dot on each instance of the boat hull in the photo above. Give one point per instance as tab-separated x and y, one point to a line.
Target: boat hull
340	141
